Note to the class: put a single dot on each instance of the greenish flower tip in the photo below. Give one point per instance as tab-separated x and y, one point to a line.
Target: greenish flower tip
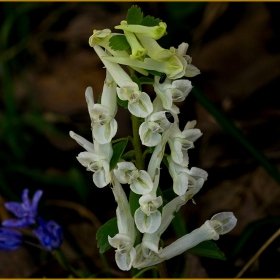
98	36
155	32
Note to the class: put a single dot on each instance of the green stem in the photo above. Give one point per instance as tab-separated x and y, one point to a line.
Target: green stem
143	270
137	143
60	257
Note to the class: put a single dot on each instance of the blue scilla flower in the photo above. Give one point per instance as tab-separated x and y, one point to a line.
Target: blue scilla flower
49	234
10	239
25	212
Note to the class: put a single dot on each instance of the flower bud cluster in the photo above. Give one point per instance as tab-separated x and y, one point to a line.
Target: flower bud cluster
159	128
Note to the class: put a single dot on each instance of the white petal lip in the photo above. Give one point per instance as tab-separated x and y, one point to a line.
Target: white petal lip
143	107
148	138
146	223
104	133
144	183
227	219
124	261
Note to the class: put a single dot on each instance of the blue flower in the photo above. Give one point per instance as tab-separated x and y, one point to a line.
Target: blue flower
49	234
10	240
26	211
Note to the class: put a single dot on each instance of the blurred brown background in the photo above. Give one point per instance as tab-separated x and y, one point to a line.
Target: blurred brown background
46	65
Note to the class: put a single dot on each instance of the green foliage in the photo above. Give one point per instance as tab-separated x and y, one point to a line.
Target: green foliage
118	150
134	15
146	80
110	228
137	81
134	202
150	21
208	249
119	43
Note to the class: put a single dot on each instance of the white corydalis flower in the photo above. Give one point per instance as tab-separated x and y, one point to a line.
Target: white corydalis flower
181	141
150	130
139	103
155	32
124	240
139	180
183	178
147	216
104	126
102	37
96	159
190	70
170	92
150	242
219	224
174	66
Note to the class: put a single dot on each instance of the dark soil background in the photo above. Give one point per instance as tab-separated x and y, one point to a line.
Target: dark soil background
46	65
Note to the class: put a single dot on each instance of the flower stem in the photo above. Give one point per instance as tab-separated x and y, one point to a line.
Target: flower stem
137	143
143	270
60	257
162	270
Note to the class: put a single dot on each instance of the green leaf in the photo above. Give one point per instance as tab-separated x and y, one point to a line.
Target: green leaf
208	249
137	81
146	80
155	73
134	202
134	15
110	228
129	155
123	103
150	21
179	225
118	150
119	43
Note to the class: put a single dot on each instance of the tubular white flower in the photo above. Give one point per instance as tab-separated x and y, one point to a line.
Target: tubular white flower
154	50
139	180
174	68
104	126
137	51
124	240
96	159
181	142
183	178
102	37
190	70
155	124
168	92
155	32
139	103
147	217
219	224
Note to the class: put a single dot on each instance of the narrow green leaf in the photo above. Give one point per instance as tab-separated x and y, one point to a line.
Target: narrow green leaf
155	73
110	228
150	21
123	103
137	81
119	43
118	150
179	225
134	15
208	249
146	80
134	202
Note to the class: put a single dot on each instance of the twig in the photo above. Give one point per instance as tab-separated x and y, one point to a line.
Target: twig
264	246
